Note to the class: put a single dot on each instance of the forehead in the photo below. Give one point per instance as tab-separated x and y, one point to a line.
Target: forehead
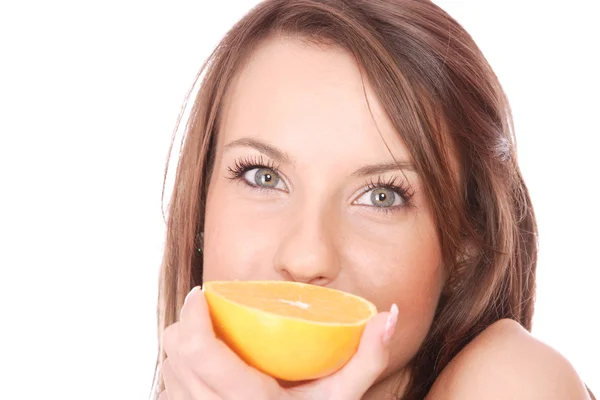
299	95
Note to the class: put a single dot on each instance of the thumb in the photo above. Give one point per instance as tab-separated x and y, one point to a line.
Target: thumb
371	358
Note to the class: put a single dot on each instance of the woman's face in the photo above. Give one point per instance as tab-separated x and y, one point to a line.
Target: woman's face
305	189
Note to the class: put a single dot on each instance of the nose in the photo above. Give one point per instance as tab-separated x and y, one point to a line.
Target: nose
308	252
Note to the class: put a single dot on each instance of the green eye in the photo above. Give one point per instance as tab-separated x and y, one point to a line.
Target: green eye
383	197
265	177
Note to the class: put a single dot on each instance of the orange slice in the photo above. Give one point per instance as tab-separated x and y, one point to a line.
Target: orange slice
289	330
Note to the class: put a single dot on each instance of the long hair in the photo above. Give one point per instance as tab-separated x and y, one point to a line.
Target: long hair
446	104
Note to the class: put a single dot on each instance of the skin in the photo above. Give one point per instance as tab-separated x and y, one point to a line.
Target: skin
506	362
310	214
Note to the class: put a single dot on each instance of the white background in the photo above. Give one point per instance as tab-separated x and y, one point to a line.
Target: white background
89	95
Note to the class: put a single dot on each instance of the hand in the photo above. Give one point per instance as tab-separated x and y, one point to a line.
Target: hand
201	367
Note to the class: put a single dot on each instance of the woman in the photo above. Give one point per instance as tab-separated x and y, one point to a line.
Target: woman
365	146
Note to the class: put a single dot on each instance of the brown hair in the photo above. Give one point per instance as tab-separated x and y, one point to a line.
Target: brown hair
445	101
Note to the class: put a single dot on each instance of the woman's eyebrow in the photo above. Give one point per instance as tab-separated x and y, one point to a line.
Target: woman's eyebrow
263	147
376	169
282	157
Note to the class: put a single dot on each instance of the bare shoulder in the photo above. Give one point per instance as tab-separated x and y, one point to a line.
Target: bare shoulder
504	362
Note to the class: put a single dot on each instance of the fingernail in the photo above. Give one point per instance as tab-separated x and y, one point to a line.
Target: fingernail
194	289
390	324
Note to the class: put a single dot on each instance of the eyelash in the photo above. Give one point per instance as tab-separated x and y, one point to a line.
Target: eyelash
243	165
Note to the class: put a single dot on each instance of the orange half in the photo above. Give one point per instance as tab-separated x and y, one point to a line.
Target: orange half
289	330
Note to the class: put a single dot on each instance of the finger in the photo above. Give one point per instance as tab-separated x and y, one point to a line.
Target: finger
194	313
180	373
370	360
211	360
174	390
163	395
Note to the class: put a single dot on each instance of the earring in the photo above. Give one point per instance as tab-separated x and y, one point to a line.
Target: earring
200	241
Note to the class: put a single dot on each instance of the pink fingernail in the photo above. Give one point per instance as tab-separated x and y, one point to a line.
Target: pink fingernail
390	324
194	289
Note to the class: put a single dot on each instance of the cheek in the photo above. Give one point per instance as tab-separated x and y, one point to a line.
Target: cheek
403	266
407	272
239	237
